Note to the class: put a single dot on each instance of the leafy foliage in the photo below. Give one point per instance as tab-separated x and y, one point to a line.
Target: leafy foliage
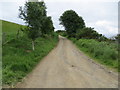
47	27
89	33
38	24
61	32
71	21
118	38
34	14
104	52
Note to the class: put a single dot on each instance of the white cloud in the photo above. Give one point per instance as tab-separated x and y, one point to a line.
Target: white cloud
105	27
51	14
103	22
111	30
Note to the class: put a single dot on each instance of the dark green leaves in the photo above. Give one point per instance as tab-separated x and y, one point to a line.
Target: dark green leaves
71	21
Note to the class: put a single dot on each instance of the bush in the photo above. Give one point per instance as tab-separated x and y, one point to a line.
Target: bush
104	52
73	39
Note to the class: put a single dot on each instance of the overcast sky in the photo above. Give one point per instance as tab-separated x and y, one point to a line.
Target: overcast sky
99	14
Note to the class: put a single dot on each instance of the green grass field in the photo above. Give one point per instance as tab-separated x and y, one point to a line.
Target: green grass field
18	59
103	52
10	30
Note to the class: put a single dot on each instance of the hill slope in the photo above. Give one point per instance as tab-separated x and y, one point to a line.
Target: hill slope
10	28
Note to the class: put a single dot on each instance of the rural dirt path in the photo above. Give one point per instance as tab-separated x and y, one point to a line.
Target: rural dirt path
67	67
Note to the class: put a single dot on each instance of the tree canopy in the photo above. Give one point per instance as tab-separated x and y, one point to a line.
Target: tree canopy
118	38
87	33
38	23
47	26
33	14
71	21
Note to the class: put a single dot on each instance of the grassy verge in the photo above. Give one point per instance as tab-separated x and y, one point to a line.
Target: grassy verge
103	52
19	59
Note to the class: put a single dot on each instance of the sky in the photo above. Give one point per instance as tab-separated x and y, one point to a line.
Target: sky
102	15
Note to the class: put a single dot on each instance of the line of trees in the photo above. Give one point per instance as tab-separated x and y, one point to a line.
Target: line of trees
38	23
75	27
118	38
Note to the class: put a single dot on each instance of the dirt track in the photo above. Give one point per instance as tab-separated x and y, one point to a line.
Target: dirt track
67	67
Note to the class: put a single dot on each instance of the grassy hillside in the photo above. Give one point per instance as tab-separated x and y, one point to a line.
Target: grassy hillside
9	27
103	52
18	58
10	30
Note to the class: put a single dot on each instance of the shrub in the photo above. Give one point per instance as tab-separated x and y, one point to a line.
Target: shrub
104	52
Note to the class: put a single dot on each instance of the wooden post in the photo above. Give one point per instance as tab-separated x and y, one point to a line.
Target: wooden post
33	45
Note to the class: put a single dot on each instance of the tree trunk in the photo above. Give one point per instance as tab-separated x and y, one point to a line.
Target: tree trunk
33	45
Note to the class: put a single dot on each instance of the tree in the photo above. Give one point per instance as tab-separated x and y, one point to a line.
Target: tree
87	33
47	27
90	33
33	13
118	38
61	32
103	38
71	21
